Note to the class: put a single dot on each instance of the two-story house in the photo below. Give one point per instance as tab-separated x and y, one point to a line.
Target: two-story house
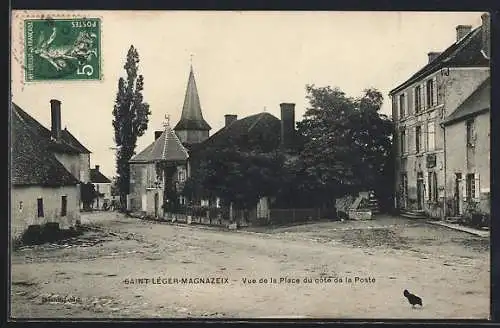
467	141
419	107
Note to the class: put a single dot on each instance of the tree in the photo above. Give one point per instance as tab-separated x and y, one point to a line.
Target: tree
131	117
88	194
114	187
235	176
347	142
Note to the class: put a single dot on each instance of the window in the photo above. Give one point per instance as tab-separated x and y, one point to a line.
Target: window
64	205
470	133
432	183
431	141
182	200
40	207
402	103
181	175
418	138
430	93
403	141
471	186
418	98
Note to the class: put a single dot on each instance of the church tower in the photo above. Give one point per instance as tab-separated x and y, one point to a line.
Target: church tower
192	127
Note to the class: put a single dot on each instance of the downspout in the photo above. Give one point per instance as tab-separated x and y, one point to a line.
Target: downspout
443	114
444	168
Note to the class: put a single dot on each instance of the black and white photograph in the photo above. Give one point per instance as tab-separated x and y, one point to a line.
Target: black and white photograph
249	165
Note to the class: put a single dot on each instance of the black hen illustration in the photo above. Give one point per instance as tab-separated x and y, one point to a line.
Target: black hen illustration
412	299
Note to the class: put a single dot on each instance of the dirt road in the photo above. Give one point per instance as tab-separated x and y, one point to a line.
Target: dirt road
323	270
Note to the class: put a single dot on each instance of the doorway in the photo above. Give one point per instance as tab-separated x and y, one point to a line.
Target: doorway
420	191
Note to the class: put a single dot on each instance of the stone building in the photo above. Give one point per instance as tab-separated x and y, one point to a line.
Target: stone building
467	156
420	105
47	168
157	174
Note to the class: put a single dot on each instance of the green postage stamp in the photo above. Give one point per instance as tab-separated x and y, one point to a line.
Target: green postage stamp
62	49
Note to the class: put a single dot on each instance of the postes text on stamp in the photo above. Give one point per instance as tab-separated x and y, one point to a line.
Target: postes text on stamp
62	49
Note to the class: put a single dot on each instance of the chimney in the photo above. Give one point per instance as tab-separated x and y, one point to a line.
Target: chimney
433	55
287	124
97	168
485	31
463	30
230	118
158	134
55	109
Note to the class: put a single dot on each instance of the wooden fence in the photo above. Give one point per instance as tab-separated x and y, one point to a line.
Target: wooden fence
249	217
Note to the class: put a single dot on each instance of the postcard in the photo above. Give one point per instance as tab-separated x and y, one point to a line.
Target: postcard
250	165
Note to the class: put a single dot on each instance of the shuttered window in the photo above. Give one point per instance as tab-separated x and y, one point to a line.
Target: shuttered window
402	105
418	98
431	141
418	138
432	194
403	141
430	93
472	186
434	92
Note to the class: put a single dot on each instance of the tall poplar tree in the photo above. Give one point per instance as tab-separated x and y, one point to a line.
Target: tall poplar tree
131	117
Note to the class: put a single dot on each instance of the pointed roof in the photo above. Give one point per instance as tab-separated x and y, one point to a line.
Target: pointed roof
478	102
97	177
192	117
67	144
32	163
167	148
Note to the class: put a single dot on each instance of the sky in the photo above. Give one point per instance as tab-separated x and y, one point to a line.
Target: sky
244	63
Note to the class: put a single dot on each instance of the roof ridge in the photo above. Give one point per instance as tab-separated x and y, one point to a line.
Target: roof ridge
257	120
447	55
461	43
164	151
179	143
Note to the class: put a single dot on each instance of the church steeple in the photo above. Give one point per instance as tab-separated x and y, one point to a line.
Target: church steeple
192	127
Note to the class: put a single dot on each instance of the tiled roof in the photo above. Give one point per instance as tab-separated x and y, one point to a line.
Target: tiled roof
167	147
97	177
477	102
67	144
263	129
192	117
467	52
32	162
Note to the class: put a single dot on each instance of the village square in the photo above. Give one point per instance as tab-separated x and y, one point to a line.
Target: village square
325	210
